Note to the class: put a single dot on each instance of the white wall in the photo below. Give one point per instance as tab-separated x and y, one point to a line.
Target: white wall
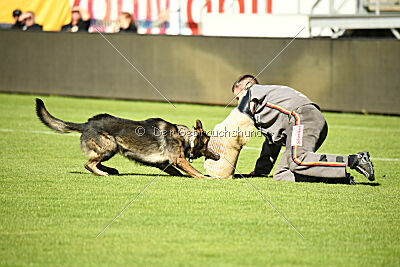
179	14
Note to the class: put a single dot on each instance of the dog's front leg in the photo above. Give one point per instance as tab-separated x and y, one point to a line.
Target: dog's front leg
184	165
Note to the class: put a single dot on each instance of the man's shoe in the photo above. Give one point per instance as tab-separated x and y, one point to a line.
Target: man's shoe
351	179
256	174
361	163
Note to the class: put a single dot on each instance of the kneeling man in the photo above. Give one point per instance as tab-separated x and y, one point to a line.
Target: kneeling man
288	118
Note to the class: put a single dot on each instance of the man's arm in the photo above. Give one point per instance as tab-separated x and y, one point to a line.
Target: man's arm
267	159
270	151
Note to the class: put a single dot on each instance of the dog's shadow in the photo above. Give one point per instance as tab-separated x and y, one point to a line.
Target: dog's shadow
132	174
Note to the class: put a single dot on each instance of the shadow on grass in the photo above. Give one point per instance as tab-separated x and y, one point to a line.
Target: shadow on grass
369	184
151	174
304	179
242	176
238	176
133	174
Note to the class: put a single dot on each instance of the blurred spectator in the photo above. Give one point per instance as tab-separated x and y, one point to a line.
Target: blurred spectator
126	23
28	20
17	24
80	21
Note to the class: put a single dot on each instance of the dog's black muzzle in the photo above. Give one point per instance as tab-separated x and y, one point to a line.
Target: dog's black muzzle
211	154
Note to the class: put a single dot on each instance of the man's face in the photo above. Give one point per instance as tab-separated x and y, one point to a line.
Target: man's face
76	15
240	88
29	19
124	22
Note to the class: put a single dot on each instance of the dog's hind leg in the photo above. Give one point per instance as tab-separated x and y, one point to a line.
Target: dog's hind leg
99	148
108	170
92	166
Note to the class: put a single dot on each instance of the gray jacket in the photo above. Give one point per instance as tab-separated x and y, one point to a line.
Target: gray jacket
273	107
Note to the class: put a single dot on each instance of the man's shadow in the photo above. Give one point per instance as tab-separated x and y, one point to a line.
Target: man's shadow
370	184
305	179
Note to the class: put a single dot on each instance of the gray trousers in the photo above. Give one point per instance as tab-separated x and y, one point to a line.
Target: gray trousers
299	162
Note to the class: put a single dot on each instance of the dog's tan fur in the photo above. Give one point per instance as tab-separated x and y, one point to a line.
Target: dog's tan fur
103	136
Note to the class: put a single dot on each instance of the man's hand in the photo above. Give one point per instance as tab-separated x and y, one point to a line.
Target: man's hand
84	14
23	17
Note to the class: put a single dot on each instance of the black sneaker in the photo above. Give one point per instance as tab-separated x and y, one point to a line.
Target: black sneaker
361	163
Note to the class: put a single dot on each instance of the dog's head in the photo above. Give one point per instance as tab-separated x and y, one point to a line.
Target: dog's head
199	144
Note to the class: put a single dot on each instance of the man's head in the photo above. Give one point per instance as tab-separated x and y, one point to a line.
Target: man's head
125	19
29	18
75	14
16	13
242	84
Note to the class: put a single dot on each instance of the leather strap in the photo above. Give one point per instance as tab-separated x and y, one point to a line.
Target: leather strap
245	106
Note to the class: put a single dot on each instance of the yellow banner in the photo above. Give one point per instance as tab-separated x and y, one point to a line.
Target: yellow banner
50	14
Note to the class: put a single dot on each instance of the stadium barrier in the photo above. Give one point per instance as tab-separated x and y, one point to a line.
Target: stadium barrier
339	75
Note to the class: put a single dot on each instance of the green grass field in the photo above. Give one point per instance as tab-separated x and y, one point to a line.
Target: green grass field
52	208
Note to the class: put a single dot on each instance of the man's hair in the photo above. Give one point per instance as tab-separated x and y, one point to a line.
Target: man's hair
127	15
32	13
243	77
17	13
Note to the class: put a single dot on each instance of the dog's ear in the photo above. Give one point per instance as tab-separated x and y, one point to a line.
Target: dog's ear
199	126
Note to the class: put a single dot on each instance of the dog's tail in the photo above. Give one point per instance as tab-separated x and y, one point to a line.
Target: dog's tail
54	123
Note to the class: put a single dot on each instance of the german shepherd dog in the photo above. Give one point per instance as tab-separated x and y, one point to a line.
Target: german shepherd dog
152	142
